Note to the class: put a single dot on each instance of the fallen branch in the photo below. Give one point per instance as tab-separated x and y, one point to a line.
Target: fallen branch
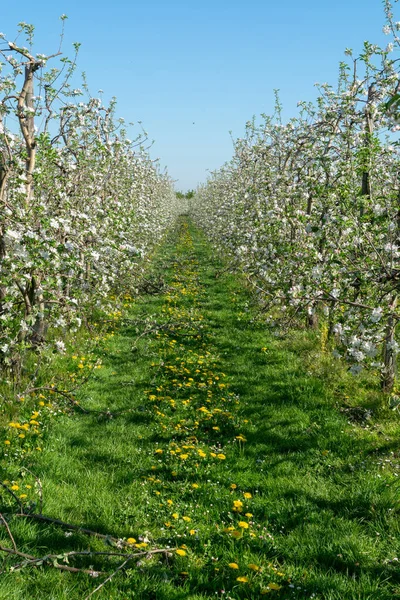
101	536
10	535
122	565
51	560
33	561
63	393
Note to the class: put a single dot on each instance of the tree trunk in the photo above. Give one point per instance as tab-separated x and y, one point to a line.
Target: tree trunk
389	352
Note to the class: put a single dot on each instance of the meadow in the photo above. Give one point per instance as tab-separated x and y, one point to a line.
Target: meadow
201	456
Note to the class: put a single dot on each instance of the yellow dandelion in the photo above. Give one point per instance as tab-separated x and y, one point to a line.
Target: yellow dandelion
131	541
233	565
247	495
242	579
221	456
15	487
181	552
7	442
253	567
243	525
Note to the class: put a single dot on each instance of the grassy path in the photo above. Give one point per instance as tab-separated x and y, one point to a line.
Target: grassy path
219	447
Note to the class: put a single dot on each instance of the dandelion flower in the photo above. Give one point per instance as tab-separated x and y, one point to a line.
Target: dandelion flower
181	552
131	540
274	586
233	565
243	525
242	579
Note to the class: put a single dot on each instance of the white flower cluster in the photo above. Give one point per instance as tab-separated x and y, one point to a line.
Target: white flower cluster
309	210
80	219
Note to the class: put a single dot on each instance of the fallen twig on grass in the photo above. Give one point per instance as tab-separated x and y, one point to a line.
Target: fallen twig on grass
101	536
63	393
51	560
122	565
9	532
119	568
33	561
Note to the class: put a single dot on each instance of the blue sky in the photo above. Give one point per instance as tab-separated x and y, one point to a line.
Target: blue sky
193	71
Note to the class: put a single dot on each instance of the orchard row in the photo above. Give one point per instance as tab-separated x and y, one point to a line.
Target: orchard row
81	204
310	210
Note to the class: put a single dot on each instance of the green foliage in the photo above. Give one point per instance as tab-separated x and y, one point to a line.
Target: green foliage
185	195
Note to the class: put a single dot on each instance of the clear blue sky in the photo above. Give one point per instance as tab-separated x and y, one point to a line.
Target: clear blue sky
213	63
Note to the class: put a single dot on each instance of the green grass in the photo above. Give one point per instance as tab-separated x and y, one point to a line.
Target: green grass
321	479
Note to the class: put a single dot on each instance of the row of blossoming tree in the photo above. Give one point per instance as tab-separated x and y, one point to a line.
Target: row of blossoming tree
81	205
310	209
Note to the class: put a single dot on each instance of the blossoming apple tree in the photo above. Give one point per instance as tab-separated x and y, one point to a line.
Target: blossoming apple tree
81	204
310	210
